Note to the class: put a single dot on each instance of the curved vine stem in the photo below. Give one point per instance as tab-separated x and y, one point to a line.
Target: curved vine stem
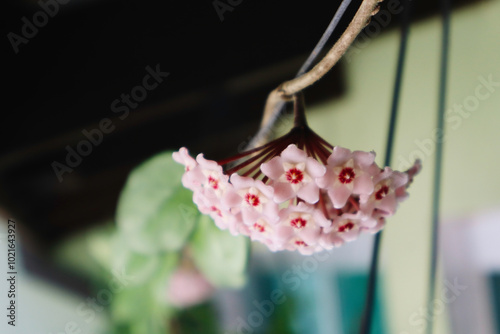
287	89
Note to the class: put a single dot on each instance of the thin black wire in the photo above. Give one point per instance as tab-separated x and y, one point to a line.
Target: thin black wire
445	42
307	64
372	278
326	36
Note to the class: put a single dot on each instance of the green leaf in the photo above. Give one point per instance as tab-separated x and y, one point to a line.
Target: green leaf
155	212
96	243
138	266
134	311
173	223
160	281
99	244
221	256
131	305
200	318
142	307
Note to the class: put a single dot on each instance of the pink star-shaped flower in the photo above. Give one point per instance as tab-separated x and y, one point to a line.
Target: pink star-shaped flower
213	178
302	221
192	178
348	173
269	234
383	197
252	197
294	174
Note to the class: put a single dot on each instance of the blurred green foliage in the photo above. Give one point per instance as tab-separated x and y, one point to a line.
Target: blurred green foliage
157	224
210	245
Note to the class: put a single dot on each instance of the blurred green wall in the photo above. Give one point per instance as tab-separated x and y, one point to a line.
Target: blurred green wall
470	183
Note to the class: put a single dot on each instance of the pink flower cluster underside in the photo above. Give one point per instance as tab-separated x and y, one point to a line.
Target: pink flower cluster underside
303	205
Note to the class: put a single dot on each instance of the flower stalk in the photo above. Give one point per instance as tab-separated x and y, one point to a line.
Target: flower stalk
290	88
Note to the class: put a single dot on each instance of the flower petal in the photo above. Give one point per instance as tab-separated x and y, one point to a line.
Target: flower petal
271	210
339	196
193	179
266	190
241	181
363	184
339	156
330	240
320	219
283	233
363	159
273	168
283	192
309	235
388	204
326	180
399	179
231	199
350	235
250	215
314	168
208	164
309	192
293	155
183	157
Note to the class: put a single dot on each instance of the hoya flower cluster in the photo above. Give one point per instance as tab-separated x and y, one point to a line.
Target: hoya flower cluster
297	192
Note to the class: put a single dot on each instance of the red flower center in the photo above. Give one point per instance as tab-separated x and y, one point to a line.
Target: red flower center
259	227
216	210
252	200
301	243
214	183
382	192
294	175
298	222
347	175
346	227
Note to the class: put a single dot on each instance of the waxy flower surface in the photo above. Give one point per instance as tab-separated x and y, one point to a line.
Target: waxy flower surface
297	192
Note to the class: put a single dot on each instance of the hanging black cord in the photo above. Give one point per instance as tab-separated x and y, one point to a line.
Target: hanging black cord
326	36
443	74
307	64
366	323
